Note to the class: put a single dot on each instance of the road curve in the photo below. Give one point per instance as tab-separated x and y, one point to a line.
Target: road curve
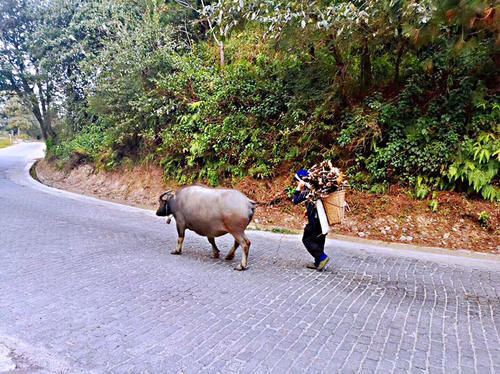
88	286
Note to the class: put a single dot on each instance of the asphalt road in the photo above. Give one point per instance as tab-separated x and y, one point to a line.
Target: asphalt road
90	287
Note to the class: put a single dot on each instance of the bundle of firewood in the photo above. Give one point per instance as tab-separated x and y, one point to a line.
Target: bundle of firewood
324	179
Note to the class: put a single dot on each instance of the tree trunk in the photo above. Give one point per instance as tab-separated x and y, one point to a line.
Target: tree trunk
339	62
221	50
312	51
366	67
44	122
399	58
39	118
48	127
28	96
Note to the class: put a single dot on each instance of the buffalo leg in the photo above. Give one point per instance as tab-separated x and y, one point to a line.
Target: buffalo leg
230	254
180	231
214	247
178	250
245	244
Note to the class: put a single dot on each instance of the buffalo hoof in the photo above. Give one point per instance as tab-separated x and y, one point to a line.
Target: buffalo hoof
229	257
239	268
175	252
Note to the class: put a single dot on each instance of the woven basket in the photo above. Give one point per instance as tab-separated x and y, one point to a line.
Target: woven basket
334	207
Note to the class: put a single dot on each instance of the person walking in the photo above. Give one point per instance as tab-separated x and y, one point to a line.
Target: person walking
313	238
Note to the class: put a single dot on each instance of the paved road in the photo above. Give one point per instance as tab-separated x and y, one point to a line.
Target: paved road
90	287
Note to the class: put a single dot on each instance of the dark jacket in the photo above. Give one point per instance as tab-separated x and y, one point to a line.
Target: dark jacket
312	213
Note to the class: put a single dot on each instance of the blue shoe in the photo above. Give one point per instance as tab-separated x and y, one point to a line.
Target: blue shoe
323	263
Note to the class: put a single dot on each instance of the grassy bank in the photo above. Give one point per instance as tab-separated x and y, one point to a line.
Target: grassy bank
4	142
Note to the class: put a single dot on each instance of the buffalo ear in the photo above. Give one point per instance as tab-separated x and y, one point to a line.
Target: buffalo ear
166	195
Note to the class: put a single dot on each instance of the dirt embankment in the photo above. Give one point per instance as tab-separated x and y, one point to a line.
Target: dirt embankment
395	217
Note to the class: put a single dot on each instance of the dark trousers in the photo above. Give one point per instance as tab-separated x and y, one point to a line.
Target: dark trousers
314	240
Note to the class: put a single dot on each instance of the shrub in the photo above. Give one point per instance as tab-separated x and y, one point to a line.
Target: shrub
477	166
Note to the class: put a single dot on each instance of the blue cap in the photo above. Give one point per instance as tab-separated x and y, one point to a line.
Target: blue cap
301	174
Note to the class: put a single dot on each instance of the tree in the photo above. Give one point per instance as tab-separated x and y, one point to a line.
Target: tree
17	117
3	117
40	54
348	27
216	19
472	19
21	66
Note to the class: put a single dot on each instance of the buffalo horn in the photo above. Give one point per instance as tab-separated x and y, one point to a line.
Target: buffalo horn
166	193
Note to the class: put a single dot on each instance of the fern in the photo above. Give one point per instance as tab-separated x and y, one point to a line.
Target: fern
478	165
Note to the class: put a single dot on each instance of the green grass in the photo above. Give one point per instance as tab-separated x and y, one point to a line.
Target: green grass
278	230
282	230
4	142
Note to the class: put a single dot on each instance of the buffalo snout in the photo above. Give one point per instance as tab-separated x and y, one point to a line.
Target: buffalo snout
162	209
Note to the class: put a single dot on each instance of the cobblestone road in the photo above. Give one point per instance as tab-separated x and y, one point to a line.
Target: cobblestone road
86	286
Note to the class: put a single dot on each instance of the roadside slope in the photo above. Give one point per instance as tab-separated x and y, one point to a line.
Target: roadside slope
395	217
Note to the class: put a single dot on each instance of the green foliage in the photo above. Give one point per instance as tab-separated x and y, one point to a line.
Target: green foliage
425	138
483	219
433	203
415	142
88	143
422	189
17	117
290	191
478	165
49	142
225	132
392	91
280	230
378	189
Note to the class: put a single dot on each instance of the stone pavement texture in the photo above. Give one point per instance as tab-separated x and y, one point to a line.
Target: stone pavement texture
90	287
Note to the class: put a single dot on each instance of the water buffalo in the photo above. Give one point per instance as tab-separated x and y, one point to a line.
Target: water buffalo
210	212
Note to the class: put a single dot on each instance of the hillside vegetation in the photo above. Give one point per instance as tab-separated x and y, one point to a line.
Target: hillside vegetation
392	91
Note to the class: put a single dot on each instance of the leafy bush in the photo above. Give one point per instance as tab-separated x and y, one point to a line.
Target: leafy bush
226	126
483	219
478	165
433	203
424	118
433	136
88	143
